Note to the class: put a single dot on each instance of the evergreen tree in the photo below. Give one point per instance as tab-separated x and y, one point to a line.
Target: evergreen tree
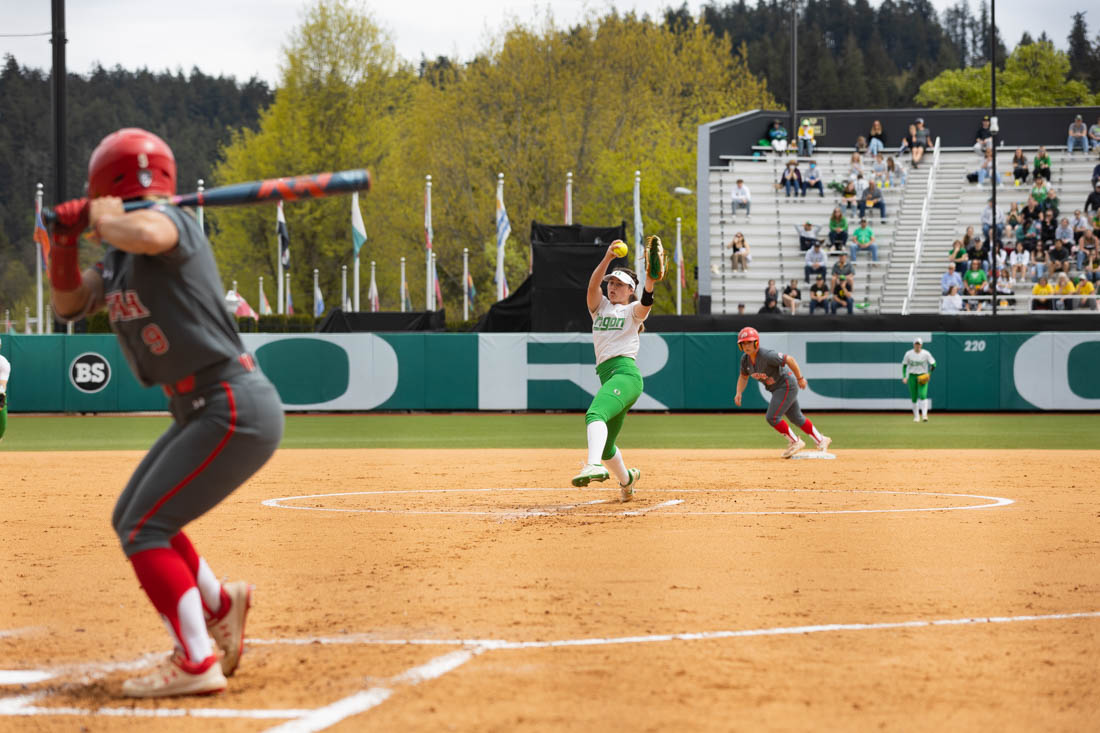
1080	50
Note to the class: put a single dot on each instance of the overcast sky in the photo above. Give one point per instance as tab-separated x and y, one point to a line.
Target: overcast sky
244	38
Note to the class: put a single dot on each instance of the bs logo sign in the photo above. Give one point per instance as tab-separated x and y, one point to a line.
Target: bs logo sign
90	372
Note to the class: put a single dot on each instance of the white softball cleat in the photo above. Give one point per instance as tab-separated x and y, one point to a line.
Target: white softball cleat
823	444
176	676
626	491
796	445
591	472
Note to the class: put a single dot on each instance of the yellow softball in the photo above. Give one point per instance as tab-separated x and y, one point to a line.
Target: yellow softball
619	248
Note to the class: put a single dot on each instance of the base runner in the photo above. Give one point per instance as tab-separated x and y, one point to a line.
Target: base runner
160	286
616	328
780	375
916	370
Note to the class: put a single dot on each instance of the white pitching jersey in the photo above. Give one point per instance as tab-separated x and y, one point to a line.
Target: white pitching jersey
5	372
615	330
914	363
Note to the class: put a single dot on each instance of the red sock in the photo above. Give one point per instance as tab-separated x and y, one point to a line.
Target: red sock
181	543
808	429
782	427
165	577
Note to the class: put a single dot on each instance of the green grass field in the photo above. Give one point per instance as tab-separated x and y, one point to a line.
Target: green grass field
730	431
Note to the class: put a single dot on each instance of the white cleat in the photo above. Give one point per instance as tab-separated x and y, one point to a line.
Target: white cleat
796	445
824	443
626	491
591	472
176	676
916	419
925	418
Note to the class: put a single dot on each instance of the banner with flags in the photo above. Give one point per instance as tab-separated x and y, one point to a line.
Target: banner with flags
318	301
358	231
40	236
284	240
265	307
504	228
372	293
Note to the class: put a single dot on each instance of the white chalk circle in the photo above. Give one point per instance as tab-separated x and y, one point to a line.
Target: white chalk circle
22	676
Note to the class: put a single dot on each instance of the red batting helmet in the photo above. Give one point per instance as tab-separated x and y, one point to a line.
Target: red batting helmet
748	333
131	163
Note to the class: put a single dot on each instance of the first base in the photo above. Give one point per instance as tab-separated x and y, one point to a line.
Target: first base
815	454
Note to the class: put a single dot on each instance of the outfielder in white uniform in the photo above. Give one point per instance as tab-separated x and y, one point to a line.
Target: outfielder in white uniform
917	363
5	372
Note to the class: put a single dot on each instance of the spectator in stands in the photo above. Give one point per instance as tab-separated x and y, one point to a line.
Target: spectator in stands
1092	270
740	309
1048	228
1088	249
1085	288
813	180
1000	261
1040	190
1019	261
791	178
820	297
842	297
792	296
855	166
921	141
952	302
1064	286
861	145
1028	234
1041	293
991	219
1019	166
769	307
1005	288
950	279
739	253
1040	263
876	138
1041	161
848	195
1064	232
878	171
959	257
1032	211
861	186
843	272
1092	203
906	145
865	241
815	261
806	139
977	249
838	229
872	199
807	236
1096	174
741	197
1052	202
985	169
1014	218
777	136
771	292
983	139
1059	258
1078	135
895	174
1094	143
1094	222
977	284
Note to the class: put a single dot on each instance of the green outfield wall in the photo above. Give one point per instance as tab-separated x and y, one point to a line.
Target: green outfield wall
541	371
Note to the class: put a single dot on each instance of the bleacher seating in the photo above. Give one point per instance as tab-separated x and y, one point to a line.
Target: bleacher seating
771	235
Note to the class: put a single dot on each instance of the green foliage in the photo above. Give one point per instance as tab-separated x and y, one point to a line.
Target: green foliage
1035	75
99	322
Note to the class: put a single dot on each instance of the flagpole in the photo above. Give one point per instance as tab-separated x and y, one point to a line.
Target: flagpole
38	260
343	286
502	236
569	197
403	285
374	289
286	303
638	234
465	283
680	266
316	287
355	284
260	297
281	305
428	241
431	262
200	189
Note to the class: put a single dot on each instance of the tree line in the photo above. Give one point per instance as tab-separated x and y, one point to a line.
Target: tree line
602	98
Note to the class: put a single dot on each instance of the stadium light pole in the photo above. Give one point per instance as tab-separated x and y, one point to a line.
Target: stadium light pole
994	237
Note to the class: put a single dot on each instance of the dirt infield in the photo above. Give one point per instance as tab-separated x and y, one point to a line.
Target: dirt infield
469	591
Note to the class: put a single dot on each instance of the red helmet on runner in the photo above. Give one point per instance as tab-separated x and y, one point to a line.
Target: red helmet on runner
748	333
131	163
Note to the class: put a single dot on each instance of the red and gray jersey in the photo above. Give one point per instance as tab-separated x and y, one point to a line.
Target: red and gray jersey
167	310
769	368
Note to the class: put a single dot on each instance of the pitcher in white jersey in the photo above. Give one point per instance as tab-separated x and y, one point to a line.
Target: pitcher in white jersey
616	330
916	370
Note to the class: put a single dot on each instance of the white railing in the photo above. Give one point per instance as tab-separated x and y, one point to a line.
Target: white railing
918	244
1086	304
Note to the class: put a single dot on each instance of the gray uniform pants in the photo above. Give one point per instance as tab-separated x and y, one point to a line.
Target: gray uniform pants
784	401
221	435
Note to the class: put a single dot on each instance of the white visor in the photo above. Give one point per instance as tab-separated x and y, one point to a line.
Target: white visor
622	277
917	340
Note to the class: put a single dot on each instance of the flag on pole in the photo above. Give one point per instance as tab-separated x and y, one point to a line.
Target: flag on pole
358	231
680	260
504	228
318	301
372	294
438	303
471	291
284	241
639	235
243	308
289	303
405	296
40	235
265	307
